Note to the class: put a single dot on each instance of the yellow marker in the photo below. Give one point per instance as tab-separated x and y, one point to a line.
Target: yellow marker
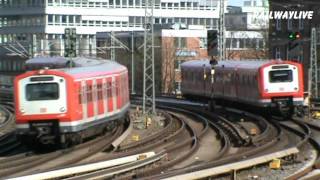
316	115
135	137
275	164
253	131
148	123
142	157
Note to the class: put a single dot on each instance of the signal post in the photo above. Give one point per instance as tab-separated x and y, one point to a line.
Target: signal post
70	44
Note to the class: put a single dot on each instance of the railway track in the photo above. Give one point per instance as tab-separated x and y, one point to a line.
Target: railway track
309	133
178	146
226	141
167	154
37	162
8	142
6	116
267	141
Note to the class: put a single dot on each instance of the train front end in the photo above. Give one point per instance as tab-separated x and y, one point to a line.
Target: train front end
41	102
281	85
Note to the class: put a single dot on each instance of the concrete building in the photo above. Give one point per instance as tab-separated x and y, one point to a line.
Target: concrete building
172	46
39	24
179	46
247	30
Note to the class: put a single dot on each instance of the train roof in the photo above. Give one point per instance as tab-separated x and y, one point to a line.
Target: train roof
58	62
84	67
244	64
103	67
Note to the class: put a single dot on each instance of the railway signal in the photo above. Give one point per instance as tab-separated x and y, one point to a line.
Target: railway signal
293	40
212	40
70	42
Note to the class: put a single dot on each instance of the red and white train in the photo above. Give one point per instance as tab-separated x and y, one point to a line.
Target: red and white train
272	84
68	105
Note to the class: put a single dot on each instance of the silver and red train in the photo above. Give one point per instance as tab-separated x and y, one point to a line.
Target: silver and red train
271	84
67	105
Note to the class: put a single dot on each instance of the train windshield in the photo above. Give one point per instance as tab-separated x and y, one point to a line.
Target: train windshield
280	76
42	91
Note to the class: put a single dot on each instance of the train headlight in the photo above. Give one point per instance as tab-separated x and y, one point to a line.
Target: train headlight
296	89
22	111
62	109
41	71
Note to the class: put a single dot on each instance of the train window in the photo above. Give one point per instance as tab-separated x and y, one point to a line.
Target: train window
109	89
117	87
100	90
89	93
42	91
280	76
80	95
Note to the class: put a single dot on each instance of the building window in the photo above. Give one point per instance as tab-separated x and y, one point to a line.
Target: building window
124	3
289	24
180	42
278	54
50	18
203	43
64	19
247	3
278	25
71	19
138	3
156	20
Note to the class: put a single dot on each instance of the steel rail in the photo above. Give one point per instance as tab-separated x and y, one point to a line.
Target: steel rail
224	160
153	137
308	137
22	166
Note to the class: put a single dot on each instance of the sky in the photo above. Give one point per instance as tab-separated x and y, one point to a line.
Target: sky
235	2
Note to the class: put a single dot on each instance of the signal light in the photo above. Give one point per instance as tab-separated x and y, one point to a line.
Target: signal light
294	35
212	42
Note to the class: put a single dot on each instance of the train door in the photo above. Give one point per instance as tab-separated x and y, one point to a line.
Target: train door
114	91
105	95
100	99
90	98
122	89
118	94
84	99
110	94
94	98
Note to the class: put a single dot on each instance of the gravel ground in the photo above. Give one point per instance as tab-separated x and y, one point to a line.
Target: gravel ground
288	167
154	127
